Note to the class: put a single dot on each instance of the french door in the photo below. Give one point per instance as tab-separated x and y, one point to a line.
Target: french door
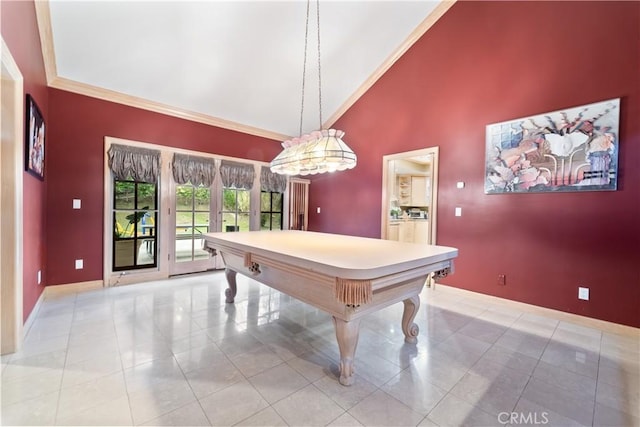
236	210
193	215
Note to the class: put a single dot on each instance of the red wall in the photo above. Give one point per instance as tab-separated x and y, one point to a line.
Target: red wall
78	125
483	62
487	62
20	33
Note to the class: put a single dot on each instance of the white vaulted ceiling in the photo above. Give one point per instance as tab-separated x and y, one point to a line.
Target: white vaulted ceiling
237	64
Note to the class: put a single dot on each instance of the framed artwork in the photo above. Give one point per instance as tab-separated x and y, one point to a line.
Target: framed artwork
575	149
34	140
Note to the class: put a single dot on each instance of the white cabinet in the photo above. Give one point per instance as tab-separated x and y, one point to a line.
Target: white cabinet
393	232
421	231
413	190
405	232
419	191
409	231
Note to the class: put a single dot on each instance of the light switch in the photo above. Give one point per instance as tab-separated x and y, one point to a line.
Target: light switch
77	203
583	293
318	209
79	264
460	184
458	211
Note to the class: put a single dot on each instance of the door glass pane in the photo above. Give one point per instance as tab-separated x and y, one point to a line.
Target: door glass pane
145	248
146	196
193	219
229	199
235	212
202	207
243	221
202	199
198	252
184	197
123	253
184	223
265	221
184	248
147	238
201	225
229	221
276	221
124	195
243	201
276	206
265	202
125	224
147	226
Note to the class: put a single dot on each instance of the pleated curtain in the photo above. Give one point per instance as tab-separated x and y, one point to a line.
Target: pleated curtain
134	163
272	182
237	175
193	169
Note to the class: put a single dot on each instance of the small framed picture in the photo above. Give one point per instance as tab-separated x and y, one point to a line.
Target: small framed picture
34	140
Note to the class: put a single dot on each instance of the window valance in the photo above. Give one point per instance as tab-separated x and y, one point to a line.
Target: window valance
193	169
238	175
270	181
139	164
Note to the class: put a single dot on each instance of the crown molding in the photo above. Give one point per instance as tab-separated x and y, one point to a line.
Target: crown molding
157	107
43	15
415	35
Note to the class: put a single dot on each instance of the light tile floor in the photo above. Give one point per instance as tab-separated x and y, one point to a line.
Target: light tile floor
173	353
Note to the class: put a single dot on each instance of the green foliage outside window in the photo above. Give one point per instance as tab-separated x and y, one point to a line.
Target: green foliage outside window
270	211
185	195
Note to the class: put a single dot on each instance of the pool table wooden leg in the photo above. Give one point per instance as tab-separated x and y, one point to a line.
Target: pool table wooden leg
347	334
410	329
230	292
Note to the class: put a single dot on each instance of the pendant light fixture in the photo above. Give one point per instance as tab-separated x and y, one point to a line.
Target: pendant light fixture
319	151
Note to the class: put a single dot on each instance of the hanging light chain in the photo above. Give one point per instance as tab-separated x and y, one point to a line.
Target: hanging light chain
304	66
319	73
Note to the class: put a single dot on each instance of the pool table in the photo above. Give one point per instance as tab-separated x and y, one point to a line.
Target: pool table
347	277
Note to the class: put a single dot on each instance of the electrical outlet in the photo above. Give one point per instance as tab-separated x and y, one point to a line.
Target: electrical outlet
39	276
583	293
502	280
79	264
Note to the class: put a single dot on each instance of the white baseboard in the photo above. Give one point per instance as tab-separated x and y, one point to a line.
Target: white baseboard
134	277
55	291
603	325
34	313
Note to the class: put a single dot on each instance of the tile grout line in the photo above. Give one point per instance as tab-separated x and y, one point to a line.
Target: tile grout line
448	392
494	344
124	378
537	364
64	366
184	375
595	393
